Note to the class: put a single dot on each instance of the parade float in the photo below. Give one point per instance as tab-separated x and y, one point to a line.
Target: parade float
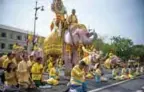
67	37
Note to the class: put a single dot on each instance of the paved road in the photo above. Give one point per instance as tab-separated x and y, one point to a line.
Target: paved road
91	84
136	85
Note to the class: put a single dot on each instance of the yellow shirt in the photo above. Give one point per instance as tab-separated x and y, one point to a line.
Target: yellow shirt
37	71
87	60
110	54
123	72
6	62
86	51
107	63
115	72
73	19
23	72
77	76
10	78
98	72
30	63
60	64
4	57
15	62
50	65
54	73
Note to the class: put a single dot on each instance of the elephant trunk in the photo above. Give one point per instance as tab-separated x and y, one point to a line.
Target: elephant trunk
87	40
93	33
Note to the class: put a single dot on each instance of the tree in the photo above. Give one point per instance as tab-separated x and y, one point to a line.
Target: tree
98	43
123	46
138	51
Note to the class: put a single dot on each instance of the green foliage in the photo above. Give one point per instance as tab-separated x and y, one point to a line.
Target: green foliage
98	43
122	47
106	48
138	51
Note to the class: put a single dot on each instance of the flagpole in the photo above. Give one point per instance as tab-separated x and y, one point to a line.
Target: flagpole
27	40
35	18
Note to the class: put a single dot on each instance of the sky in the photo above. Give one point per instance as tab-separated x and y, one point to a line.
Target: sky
108	17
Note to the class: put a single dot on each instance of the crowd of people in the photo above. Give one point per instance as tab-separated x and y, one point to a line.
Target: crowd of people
26	71
127	71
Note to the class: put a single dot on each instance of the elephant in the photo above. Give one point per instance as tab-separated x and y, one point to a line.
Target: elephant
75	35
112	61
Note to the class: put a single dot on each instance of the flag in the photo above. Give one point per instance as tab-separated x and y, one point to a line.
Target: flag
35	39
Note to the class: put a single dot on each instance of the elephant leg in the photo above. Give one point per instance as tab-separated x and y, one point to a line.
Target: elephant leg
75	58
68	65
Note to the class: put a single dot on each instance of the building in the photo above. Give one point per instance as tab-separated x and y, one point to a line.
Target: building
9	36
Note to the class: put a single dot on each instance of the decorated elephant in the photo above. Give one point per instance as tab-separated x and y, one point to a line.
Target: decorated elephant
112	61
76	34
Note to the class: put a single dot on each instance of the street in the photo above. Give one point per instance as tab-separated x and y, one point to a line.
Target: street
136	85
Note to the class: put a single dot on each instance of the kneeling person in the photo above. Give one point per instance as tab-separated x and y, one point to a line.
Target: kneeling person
77	80
36	71
53	75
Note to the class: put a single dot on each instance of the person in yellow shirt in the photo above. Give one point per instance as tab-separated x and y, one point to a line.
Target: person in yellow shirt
53	75
37	70
130	72
115	72
8	60
86	51
73	18
60	63
2	59
137	72
10	75
50	64
17	58
124	73
77	81
31	61
107	63
23	73
98	72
